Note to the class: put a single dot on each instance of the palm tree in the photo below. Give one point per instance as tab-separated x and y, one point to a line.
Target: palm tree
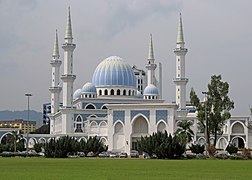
16	137
184	131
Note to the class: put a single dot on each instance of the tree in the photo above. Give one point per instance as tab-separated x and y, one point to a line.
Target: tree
16	137
162	145
45	129
184	131
217	106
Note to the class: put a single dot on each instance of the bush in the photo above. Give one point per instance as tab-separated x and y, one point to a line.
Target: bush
66	145
231	149
162	145
37	147
197	148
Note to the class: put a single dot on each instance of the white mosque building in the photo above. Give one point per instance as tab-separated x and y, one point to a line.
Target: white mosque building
122	103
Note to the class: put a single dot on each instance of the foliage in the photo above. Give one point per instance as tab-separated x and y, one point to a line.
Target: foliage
93	144
61	147
231	149
184	132
65	145
45	129
197	148
37	147
217	106
162	145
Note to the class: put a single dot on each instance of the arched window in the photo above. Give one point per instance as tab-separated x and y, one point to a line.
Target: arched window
104	107
124	92
112	92
79	119
90	106
118	92
100	92
129	92
106	92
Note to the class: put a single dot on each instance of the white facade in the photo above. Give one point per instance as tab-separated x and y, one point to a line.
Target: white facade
113	107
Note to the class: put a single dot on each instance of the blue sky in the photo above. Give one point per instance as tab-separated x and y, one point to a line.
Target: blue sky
218	35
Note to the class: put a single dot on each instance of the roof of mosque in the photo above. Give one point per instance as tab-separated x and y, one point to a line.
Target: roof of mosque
151	90
88	88
114	71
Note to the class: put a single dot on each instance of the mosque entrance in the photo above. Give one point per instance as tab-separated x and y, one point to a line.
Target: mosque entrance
238	142
139	129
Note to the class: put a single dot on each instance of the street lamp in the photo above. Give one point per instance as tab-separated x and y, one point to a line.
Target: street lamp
206	125
28	95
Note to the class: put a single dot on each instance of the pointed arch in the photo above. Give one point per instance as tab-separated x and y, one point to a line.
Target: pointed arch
118	127
90	106
140	124
42	140
83	138
237	128
112	92
202	141
222	143
161	126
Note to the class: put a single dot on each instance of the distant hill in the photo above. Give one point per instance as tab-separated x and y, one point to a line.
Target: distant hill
11	115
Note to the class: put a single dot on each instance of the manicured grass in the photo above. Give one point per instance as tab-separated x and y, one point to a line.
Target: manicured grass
86	168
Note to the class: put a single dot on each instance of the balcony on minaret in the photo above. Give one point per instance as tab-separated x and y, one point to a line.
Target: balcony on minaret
55	89
68	77
150	66
180	80
180	51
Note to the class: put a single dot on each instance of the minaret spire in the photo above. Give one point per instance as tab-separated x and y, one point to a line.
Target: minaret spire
56	47
151	66
180	79
180	36
55	88
151	52
68	35
68	79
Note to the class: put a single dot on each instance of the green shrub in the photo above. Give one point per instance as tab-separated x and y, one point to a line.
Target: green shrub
162	145
231	149
197	148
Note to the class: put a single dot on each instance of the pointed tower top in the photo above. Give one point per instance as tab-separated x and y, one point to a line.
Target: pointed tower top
180	36
68	34
56	47
151	52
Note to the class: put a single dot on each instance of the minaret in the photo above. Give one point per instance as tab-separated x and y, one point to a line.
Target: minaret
180	79
68	77
55	88
150	66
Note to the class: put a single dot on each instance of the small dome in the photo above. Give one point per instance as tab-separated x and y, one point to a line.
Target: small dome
114	71
139	95
88	88
76	94
151	90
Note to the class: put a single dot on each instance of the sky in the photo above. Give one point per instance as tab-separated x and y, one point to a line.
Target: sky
218	35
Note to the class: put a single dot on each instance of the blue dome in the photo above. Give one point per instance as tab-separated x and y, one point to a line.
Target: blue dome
88	88
76	94
114	71
151	90
139	95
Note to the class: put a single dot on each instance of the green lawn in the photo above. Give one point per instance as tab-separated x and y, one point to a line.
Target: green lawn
85	168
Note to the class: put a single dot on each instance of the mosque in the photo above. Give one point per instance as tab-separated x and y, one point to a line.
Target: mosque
122	103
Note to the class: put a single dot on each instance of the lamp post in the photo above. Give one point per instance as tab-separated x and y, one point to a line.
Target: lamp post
206	124
28	95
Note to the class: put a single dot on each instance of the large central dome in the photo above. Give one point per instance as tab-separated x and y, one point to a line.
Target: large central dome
114	71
